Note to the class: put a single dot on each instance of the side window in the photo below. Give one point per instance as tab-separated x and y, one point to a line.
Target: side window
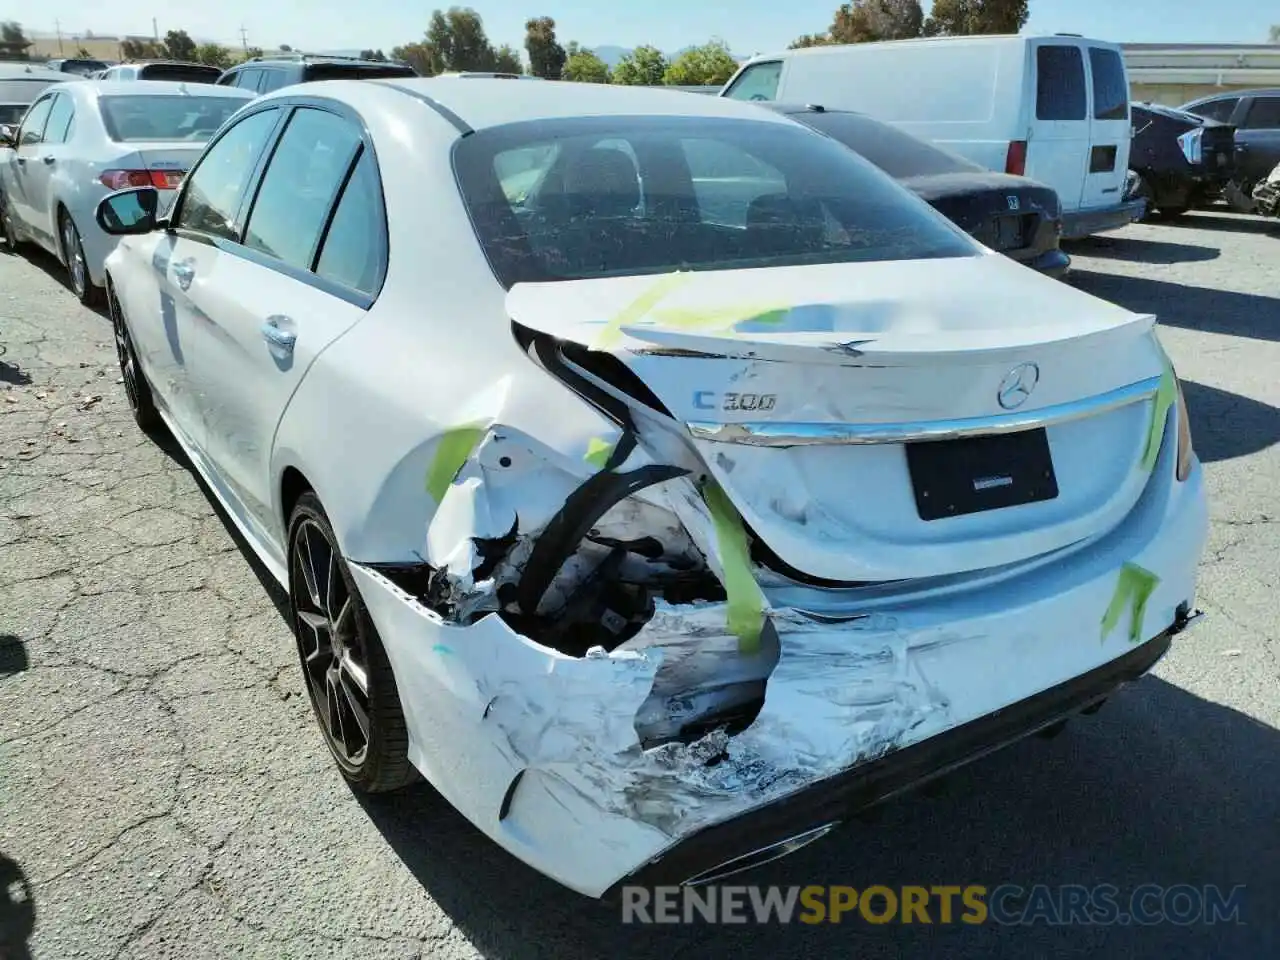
758	82
273	80
1060	90
248	79
1264	114
33	124
1220	110
58	127
213	191
1110	88
306	170
355	244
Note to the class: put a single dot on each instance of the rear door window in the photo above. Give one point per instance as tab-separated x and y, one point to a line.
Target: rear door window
273	80
58	128
355	244
1110	89
1264	114
247	79
758	82
302	180
1060	87
32	129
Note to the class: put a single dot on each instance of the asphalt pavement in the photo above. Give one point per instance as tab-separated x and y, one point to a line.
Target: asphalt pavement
165	793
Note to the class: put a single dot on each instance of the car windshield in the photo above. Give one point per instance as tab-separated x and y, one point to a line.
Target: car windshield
613	196
136	118
896	153
179	73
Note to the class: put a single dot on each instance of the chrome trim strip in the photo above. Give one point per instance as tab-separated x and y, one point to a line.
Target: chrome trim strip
783	434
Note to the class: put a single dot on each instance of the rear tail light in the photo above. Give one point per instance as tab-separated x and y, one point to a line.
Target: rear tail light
1186	453
1192	144
1016	160
124	179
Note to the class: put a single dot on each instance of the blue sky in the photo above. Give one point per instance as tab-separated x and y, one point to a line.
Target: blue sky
752	26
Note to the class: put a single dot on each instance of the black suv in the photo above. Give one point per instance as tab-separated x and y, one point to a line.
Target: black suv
274	71
1256	116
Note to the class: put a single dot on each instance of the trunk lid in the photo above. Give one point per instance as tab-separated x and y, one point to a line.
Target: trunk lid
1000	211
831	402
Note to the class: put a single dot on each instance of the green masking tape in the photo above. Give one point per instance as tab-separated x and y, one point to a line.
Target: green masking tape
1166	397
746	599
598	452
1133	589
451	453
638	307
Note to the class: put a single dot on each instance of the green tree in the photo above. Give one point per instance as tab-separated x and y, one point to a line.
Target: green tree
1274	34
865	21
15	41
966	17
583	66
708	65
214	55
810	40
136	49
506	59
546	56
372	55
645	66
421	56
251	52
178	45
83	53
457	35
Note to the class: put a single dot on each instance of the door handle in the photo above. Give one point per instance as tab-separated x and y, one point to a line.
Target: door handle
48	161
278	337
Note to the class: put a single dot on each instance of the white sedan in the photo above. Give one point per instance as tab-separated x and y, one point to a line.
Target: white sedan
654	475
86	138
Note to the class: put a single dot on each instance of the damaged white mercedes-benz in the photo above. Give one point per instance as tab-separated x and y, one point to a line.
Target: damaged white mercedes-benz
649	472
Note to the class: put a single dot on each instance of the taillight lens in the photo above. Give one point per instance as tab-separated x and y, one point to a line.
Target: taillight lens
1186	452
124	179
1016	160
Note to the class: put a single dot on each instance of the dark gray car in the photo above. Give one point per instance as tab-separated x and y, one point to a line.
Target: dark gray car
1256	116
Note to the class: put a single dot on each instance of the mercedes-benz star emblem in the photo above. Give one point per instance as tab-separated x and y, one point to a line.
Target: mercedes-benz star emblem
1017	385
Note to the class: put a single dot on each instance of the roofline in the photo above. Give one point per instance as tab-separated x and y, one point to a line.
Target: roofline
464	129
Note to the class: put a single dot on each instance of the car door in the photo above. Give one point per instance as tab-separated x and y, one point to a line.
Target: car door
1257	138
204	214
50	156
1110	132
21	162
273	302
1058	142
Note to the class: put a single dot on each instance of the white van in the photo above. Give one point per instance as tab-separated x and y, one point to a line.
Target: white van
1053	108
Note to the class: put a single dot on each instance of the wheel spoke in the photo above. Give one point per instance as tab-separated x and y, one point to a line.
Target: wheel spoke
357	674
321	646
309	569
333	582
344	622
355	705
333	701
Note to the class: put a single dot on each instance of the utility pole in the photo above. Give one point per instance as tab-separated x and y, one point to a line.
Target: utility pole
155	30
244	39
57	28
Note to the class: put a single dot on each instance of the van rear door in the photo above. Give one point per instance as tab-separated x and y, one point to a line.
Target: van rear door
1110	129
1058	142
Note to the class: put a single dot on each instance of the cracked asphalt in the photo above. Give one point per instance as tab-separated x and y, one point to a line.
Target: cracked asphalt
166	794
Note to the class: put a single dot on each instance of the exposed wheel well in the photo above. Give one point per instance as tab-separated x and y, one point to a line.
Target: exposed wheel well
60	213
292	485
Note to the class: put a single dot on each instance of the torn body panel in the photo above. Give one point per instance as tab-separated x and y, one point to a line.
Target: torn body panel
590	766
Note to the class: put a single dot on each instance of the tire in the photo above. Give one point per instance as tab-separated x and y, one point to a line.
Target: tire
141	402
7	230
77	269
1170	212
363	726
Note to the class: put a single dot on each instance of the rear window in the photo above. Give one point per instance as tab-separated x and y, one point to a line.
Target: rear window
347	71
896	153
616	196
1220	110
129	119
23	92
179	73
1060	90
81	67
1110	88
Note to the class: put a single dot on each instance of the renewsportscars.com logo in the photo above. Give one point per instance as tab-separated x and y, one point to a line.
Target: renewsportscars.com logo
972	904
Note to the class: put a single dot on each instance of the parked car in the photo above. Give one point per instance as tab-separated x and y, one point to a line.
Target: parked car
754	491
85	139
1013	215
80	66
1055	109
1256	116
1179	160
177	71
271	72
20	84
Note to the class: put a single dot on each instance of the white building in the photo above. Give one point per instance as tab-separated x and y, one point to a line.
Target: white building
1175	73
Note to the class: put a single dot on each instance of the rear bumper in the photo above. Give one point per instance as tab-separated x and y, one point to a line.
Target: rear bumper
1083	223
767	833
1052	263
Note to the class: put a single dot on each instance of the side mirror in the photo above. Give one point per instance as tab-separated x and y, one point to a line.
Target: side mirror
130	211
8	135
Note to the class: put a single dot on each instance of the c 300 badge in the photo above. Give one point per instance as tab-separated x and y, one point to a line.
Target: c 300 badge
710	400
